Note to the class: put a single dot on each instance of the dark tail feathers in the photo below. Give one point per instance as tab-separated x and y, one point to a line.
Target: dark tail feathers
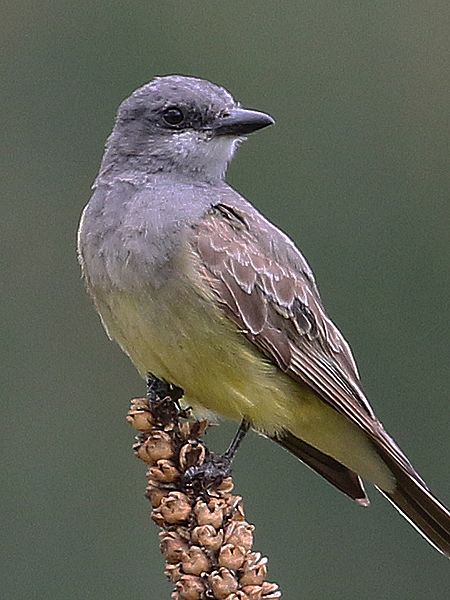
334	472
418	505
411	497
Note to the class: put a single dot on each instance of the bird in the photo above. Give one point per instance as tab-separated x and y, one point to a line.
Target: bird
198	288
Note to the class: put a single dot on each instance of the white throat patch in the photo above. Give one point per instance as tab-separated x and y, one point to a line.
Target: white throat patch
202	153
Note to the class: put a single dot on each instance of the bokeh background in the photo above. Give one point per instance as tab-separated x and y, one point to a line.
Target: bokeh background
356	171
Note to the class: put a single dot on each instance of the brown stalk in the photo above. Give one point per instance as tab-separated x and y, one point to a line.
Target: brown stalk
205	538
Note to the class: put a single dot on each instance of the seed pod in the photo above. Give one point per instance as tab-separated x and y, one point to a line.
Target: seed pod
270	591
173	572
139	415
231	557
253	592
172	546
254	574
192	454
189	587
195	561
208	537
157	446
211	513
222	583
163	472
226	487
236	508
239	534
174	508
155	494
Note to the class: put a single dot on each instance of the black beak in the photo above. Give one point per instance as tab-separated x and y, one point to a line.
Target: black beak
241	121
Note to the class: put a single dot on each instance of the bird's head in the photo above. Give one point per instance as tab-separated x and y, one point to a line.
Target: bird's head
177	124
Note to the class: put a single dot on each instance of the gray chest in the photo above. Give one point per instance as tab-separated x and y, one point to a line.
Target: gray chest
129	239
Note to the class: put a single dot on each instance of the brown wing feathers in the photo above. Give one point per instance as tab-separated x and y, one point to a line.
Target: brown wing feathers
277	306
266	287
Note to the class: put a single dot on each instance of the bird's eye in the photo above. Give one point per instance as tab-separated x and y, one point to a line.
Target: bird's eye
173	116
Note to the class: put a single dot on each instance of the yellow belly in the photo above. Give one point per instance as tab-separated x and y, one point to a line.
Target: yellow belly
189	342
184	338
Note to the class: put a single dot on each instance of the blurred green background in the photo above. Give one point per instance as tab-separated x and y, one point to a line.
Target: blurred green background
356	171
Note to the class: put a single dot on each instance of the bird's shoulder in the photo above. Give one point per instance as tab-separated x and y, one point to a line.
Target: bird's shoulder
243	249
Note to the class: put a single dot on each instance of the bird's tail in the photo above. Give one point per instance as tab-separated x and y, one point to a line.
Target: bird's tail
409	494
416	503
330	469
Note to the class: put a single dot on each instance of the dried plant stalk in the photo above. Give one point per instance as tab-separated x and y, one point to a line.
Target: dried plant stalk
205	538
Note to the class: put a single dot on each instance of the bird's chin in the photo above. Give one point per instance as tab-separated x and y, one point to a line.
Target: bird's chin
205	152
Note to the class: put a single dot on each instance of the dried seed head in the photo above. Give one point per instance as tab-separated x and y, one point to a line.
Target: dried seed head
211	513
226	487
158	518
185	430
198	428
206	541
208	537
254	558
172	546
155	494
174	508
270	591
236	508
253	592
163	472
173	572
239	534
193	453
139	415
195	561
254	574
189	587
157	446
231	557
140	421
223	583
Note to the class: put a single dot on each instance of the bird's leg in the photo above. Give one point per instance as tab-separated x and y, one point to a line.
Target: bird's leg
163	400
240	434
216	467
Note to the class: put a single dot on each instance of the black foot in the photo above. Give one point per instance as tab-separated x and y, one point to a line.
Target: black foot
209	475
164	399
216	467
158	389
